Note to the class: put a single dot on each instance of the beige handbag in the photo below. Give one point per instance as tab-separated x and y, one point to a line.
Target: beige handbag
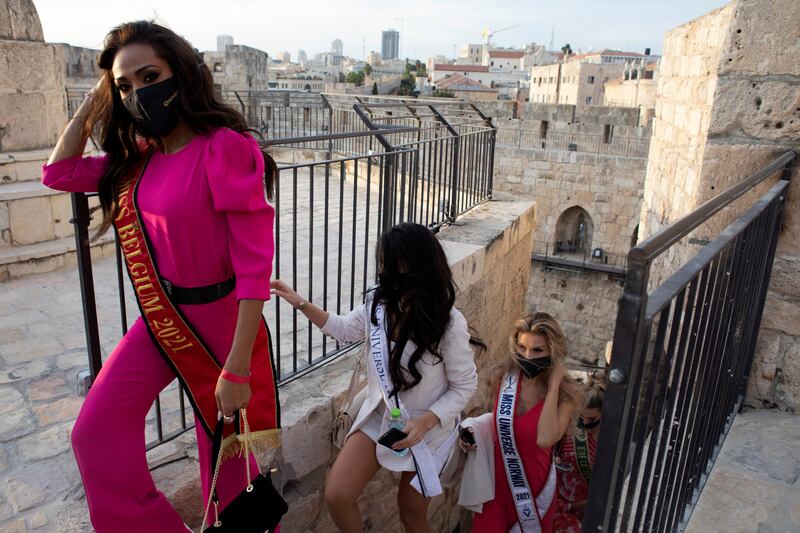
349	410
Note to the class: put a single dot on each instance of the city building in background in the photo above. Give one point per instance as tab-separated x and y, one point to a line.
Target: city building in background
239	68
390	44
223	41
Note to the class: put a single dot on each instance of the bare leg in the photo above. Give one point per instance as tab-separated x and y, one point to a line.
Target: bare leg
413	506
351	472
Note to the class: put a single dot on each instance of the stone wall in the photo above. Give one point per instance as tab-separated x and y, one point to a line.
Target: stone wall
32	95
609	189
584	303
727	104
80	66
502	111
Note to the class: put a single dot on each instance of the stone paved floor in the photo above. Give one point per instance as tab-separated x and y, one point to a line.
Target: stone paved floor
42	347
755	484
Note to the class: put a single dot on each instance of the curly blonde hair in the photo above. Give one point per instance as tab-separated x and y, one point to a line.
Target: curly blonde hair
545	325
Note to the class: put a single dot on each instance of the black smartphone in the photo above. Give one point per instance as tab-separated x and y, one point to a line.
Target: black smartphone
467	436
390	437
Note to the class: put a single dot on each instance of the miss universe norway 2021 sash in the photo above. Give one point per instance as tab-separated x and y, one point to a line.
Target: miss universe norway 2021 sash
529	511
428	463
184	351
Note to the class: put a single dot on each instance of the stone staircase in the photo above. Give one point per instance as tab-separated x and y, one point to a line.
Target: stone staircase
36	235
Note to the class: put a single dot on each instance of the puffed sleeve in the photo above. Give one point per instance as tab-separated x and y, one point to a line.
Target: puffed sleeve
235	169
351	327
74	174
459	366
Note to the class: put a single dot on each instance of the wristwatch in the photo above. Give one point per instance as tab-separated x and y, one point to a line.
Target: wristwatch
301	305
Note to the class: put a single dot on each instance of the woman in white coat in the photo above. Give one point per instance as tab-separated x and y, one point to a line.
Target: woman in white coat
419	358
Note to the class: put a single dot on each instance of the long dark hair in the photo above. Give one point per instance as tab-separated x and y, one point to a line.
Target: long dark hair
110	124
417	290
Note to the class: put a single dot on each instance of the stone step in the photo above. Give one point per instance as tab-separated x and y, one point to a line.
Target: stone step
22	166
31	213
19	261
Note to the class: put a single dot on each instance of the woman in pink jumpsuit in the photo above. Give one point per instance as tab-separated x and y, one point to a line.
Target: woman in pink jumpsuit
201	200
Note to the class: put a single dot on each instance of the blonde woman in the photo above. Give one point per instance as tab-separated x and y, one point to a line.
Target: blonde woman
513	487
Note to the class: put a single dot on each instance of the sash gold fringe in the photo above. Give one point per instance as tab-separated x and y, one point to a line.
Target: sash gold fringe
260	441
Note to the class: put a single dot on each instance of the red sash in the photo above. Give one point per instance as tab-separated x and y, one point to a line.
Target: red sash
182	348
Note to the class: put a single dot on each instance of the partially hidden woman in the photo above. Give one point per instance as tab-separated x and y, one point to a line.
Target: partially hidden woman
510	475
419	358
575	454
183	184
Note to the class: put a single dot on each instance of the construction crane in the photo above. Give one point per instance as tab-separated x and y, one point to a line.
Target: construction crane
402	34
488	33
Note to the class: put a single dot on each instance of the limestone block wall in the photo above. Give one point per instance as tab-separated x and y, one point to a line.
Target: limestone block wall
684	99
32	99
728	102
608	188
585	304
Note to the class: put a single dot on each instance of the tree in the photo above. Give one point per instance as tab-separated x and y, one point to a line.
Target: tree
368	69
408	85
341	77
374	87
444	93
567	49
356	78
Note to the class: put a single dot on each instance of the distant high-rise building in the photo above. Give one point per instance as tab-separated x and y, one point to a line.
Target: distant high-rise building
302	57
337	48
285	57
390	44
223	41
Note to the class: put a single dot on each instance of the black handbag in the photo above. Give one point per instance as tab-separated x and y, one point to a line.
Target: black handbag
257	509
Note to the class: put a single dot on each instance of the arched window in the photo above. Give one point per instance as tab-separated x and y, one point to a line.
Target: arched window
574	230
217	67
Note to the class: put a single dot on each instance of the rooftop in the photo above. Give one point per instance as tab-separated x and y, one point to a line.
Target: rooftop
461	68
510	54
457	82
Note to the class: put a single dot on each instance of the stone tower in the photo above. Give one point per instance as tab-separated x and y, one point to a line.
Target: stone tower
32	95
728	103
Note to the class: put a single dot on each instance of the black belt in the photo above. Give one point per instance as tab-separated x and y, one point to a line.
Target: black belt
199	295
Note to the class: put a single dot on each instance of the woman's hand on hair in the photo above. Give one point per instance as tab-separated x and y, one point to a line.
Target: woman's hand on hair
88	100
416	428
557	374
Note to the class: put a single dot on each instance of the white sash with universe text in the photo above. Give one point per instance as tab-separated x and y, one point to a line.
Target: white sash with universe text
428	464
529	512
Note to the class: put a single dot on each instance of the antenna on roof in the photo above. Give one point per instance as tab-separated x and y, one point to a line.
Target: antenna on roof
552	36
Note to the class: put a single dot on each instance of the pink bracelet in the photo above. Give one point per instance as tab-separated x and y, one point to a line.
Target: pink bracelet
234	378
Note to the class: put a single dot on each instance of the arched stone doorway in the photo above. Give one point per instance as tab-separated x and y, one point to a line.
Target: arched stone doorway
574	231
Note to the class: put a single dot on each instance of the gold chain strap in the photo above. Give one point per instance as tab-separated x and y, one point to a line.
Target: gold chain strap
246	451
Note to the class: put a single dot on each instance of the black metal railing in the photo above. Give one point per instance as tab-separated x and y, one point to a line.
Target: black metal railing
681	357
575	258
330	209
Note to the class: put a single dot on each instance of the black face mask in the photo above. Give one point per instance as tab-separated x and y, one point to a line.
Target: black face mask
590	425
153	108
533	367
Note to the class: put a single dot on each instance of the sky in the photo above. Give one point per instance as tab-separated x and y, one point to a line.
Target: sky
430	27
